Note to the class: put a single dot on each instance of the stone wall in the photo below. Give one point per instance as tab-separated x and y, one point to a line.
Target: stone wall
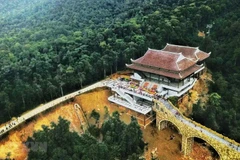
188	133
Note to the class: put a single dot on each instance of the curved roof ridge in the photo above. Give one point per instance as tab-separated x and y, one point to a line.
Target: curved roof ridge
181	57
195	53
165	46
127	65
179	53
177	66
180	75
162	50
153	49
192	60
181	46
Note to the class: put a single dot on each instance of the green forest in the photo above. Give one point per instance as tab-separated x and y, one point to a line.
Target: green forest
50	48
118	141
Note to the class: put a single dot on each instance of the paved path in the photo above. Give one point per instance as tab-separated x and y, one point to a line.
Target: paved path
21	119
14	123
181	118
199	128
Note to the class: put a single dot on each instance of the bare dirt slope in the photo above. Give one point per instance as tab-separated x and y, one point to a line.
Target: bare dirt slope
170	149
198	93
157	140
14	141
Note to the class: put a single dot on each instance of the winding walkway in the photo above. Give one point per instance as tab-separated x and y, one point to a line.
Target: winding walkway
21	119
29	114
174	111
198	128
220	138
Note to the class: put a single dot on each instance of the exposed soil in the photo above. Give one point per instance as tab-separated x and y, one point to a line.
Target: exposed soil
14	142
198	93
165	148
158	141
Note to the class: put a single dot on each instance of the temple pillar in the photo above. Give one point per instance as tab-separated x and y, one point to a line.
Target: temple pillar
187	144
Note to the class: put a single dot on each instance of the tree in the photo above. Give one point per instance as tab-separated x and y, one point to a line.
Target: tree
106	112
113	127
8	156
68	44
94	114
82	77
94	130
132	139
214	99
56	135
198	113
61	143
97	151
123	140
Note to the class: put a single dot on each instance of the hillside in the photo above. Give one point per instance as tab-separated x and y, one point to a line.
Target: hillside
49	48
166	148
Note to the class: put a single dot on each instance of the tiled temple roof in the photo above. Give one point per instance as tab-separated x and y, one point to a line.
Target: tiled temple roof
173	61
165	60
192	53
176	75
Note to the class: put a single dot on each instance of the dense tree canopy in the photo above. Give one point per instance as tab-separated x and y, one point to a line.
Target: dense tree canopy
49	48
117	143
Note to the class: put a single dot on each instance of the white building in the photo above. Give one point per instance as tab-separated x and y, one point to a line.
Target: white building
158	74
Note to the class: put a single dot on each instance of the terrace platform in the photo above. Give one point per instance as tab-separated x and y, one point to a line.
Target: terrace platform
143	109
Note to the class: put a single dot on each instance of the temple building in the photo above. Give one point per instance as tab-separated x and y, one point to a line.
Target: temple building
158	74
174	69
